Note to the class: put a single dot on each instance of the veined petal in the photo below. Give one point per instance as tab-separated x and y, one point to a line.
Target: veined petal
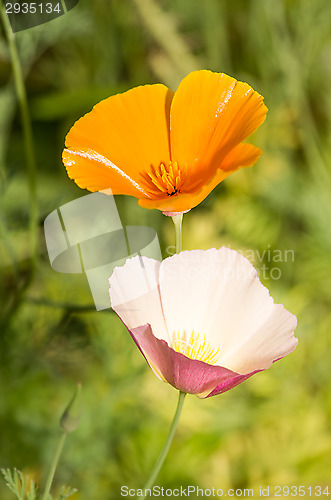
115	145
185	374
211	113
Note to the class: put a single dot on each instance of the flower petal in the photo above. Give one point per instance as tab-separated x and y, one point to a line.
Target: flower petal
94	172
212	296
135	295
243	155
211	113
185	374
115	144
217	294
264	344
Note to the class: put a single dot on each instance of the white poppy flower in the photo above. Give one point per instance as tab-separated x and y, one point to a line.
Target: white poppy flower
202	319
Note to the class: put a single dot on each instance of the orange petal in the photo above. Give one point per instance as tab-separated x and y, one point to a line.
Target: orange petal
94	172
243	155
115	144
211	113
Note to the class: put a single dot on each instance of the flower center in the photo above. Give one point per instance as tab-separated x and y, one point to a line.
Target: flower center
167	179
195	346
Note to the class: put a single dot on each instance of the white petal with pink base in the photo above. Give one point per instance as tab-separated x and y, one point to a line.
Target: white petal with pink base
202	319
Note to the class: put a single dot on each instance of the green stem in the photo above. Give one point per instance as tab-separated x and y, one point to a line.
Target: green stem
166	445
64	7
53	467
27	128
178	220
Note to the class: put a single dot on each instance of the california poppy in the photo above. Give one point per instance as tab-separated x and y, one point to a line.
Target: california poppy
202	319
168	149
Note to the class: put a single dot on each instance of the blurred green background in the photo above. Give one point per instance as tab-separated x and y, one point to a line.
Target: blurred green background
274	429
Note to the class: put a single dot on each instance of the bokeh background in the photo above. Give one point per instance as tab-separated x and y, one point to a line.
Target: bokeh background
275	428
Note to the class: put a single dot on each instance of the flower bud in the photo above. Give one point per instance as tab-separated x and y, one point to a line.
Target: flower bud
71	415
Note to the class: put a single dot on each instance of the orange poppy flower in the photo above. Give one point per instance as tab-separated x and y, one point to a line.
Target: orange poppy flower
168	149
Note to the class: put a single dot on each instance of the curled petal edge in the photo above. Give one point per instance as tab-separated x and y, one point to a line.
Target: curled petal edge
187	375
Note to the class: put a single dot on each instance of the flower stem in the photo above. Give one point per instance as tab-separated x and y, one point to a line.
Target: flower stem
167	444
27	128
178	220
64	7
53	466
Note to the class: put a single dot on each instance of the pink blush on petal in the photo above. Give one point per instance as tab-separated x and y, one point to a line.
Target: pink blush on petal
185	374
230	383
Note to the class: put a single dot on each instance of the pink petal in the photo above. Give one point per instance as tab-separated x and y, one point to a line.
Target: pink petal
185	374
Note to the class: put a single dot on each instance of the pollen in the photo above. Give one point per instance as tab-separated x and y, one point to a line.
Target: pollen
195	346
167	179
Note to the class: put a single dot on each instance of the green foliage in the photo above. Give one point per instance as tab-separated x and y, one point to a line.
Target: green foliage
275	428
22	487
25	488
66	492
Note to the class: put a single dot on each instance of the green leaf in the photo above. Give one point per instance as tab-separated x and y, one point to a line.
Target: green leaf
15	482
18	483
66	491
32	493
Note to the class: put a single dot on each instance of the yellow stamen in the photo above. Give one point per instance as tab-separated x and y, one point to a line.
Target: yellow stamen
167	179
195	346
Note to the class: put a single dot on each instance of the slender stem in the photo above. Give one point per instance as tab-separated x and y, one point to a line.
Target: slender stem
64	7
53	467
27	128
178	220
166	445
